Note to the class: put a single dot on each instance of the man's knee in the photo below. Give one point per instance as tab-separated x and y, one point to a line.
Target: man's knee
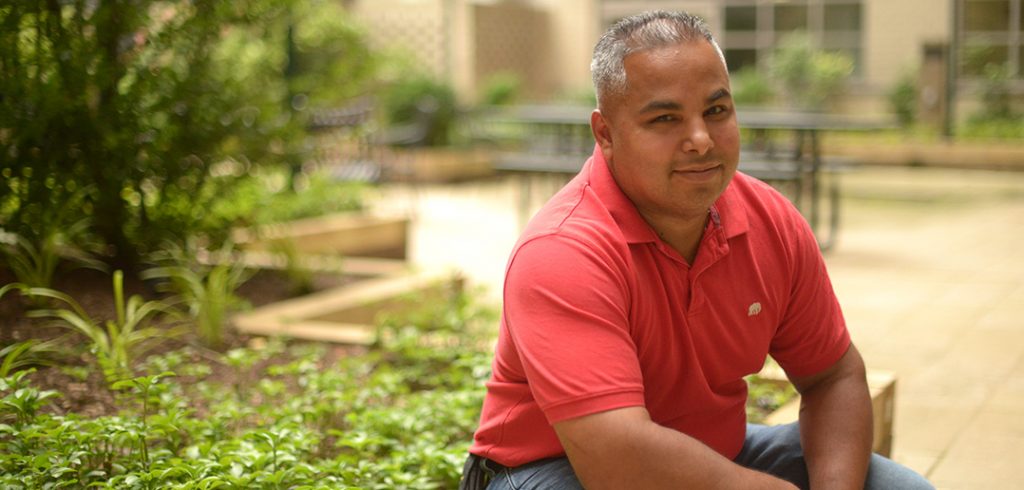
885	473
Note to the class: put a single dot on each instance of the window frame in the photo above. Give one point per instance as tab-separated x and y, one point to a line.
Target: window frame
764	37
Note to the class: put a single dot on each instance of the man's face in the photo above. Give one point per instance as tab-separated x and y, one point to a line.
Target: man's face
671	139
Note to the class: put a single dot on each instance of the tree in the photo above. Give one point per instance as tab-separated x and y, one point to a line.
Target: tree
137	113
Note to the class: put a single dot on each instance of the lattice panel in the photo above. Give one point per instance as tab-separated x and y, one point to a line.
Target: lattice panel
413	27
514	37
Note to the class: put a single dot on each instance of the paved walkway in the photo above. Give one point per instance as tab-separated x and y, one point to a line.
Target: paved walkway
929	270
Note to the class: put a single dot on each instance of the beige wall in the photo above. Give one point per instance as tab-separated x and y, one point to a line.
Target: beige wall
443	36
895	34
575	29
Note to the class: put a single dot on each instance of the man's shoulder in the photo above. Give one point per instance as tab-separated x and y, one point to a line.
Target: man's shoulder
758	200
576	222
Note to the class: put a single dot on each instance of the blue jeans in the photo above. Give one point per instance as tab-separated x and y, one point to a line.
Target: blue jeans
775	450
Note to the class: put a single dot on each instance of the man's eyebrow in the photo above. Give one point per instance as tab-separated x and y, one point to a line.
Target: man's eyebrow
661	105
718	94
668	105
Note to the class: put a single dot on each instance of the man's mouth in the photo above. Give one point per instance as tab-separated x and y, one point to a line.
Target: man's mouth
698	170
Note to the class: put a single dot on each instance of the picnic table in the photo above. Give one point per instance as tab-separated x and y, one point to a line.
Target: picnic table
556	140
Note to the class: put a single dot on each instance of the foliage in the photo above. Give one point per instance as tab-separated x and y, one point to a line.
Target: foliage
139	114
299	274
807	76
399	416
902	98
501	88
21	402
115	342
764	396
420	100
751	87
34	262
208	291
996	117
265	198
997	104
24	354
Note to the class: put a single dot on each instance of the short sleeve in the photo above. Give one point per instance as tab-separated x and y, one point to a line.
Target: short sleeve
812	335
566	310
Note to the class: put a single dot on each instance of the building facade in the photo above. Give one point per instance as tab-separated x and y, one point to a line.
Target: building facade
549	42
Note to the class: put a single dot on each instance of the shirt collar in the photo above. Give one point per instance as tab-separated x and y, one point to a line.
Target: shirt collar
728	211
623	211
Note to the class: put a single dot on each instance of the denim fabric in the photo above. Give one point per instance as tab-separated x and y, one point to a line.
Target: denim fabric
555	473
775	450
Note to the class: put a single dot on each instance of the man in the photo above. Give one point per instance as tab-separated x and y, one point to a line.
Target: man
644	291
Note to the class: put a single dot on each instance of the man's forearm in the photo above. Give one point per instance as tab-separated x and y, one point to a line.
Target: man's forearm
635	452
836	431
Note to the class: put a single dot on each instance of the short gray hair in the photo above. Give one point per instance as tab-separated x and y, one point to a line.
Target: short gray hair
641	32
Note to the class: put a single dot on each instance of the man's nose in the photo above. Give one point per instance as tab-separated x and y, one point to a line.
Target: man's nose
696	138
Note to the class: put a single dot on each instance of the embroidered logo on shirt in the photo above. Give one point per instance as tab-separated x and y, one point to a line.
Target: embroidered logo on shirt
754	309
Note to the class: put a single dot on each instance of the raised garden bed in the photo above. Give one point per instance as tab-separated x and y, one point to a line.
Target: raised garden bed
347	234
346	314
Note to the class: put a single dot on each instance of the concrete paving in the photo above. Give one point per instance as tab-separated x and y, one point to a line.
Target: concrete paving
928	267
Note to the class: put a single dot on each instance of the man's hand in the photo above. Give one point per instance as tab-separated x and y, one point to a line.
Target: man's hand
624	448
836	423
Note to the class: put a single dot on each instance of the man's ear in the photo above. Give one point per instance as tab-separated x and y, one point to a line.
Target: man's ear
602	133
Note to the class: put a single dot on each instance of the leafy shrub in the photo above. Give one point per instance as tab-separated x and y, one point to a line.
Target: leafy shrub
140	114
501	88
750	87
265	198
807	76
34	262
421	100
902	99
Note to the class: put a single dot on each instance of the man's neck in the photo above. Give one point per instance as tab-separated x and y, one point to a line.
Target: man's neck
681	233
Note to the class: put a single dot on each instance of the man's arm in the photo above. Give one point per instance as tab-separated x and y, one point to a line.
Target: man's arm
624	448
836	423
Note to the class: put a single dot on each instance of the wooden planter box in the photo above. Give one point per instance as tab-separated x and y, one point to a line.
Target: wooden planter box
346	314
440	164
882	386
347	234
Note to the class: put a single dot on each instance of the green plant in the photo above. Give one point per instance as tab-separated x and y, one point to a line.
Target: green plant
115	342
420	102
751	87
142	386
501	88
21	355
299	274
398	416
208	291
807	76
764	396
142	113
20	399
902	99
34	262
265	198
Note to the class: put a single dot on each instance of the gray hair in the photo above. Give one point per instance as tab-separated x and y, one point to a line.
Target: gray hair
641	32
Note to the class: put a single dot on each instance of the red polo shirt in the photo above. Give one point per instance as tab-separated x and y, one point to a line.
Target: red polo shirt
600	314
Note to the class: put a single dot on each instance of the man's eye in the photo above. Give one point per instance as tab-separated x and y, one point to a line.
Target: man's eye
663	118
718	109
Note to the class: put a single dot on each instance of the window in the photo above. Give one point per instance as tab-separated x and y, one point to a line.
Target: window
993	36
753	27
